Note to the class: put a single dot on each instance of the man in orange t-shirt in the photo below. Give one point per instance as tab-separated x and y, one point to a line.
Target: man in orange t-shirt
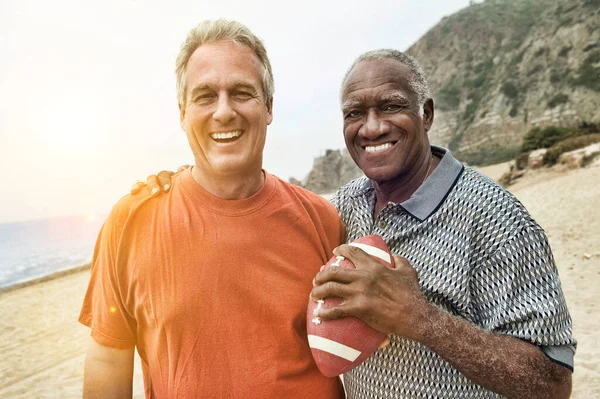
211	281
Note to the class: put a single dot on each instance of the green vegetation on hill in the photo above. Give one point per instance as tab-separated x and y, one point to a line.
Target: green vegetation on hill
569	144
588	74
516	64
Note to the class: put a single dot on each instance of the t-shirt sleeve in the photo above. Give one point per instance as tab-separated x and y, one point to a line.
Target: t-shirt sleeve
517	292
104	310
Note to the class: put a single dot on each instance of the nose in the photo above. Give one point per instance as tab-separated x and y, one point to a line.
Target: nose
224	112
374	126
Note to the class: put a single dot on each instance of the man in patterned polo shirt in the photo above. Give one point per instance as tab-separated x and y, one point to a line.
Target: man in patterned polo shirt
474	307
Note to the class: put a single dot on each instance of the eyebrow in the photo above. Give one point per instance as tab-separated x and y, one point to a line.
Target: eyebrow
350	104
395	97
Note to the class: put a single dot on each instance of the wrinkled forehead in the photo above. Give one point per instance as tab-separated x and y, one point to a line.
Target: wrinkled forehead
381	77
224	61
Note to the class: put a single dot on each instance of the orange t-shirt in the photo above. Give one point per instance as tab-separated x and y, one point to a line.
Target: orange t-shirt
213	292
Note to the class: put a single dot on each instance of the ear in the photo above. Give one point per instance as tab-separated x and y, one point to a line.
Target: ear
270	111
428	114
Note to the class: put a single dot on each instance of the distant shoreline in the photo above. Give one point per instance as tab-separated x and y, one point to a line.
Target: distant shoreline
44	278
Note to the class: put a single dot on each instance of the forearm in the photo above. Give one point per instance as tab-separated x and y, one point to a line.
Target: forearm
502	364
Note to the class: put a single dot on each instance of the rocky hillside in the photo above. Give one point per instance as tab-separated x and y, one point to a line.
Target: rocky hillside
330	172
500	67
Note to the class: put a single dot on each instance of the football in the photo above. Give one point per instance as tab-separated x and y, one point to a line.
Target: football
340	345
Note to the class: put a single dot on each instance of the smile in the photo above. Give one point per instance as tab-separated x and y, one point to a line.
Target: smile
377	148
226	135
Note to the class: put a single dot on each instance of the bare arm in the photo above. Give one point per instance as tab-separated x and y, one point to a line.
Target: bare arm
108	372
503	364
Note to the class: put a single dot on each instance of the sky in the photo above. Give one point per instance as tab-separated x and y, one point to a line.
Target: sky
87	89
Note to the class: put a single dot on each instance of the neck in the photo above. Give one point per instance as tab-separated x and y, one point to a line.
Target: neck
402	188
230	187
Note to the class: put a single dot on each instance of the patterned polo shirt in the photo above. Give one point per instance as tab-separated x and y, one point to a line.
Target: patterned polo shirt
479	255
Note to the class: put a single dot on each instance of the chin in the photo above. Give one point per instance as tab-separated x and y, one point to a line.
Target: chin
379	175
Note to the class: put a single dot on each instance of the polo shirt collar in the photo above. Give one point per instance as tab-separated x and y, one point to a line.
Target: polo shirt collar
432	193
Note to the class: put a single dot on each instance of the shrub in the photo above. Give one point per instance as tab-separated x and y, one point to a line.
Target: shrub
588	73
469	113
535	69
448	97
488	156
557	76
589	127
564	52
569	144
557	100
544	137
522	160
510	90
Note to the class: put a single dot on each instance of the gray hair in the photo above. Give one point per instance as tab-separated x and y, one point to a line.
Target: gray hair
417	80
216	31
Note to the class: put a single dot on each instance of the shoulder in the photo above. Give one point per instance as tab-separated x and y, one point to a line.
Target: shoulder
492	212
302	194
349	193
125	210
484	194
308	200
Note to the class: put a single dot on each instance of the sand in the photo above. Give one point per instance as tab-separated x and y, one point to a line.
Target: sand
42	347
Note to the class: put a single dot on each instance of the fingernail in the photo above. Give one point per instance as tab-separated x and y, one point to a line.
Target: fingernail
166	187
322	267
314	283
154	191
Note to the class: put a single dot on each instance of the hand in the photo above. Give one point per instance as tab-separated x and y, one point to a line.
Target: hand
156	183
389	300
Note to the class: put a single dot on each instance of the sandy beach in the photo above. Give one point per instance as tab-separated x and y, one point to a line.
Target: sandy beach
42	347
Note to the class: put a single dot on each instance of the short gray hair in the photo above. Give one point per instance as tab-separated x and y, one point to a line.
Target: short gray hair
417	80
216	31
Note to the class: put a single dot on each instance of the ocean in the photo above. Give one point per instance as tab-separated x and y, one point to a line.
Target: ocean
33	249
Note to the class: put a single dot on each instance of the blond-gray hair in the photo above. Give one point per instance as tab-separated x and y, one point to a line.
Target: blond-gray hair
216	31
417	80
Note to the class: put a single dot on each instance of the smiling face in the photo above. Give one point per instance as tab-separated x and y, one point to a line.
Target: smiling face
225	117
383	128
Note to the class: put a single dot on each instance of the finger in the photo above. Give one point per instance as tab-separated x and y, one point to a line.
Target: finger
331	289
152	183
399	262
385	343
182	167
336	312
137	187
164	179
357	256
406	270
335	274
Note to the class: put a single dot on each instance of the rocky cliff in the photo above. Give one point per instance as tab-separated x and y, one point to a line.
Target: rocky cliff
330	171
500	67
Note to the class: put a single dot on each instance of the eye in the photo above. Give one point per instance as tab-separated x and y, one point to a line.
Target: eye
204	98
242	95
392	107
353	114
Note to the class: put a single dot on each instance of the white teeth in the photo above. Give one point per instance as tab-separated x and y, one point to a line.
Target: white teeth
226	135
376	148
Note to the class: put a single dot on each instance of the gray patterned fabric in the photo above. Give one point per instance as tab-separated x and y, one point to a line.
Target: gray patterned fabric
479	255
